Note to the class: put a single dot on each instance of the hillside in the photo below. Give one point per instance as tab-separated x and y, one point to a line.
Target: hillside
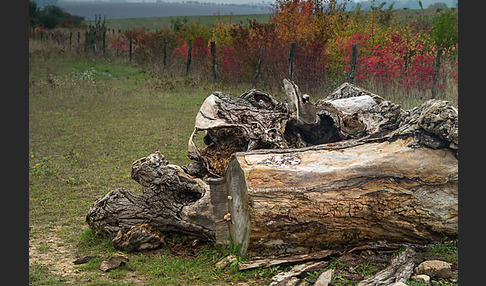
143	10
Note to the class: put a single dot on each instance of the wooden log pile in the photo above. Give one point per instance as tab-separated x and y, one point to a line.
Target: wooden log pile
291	178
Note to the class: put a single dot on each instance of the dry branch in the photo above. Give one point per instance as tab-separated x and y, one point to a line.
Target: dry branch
289	260
400	270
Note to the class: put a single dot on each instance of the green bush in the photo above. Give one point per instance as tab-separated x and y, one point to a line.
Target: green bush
52	16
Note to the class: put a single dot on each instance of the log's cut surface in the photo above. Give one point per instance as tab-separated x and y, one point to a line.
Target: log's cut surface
299	200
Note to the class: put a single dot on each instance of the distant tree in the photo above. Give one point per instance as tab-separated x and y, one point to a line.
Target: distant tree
177	24
438	5
33	13
444	33
444	30
51	16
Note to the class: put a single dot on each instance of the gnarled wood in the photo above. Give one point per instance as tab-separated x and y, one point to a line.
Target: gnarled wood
139	237
172	201
287	179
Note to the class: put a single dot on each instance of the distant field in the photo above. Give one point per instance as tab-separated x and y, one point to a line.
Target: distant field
144	10
153	23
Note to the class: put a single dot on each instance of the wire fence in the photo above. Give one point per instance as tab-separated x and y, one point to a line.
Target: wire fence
264	68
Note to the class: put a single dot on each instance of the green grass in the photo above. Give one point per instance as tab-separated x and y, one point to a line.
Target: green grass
89	119
154	23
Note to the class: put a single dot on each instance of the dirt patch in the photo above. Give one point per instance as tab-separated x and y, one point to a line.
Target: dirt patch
52	252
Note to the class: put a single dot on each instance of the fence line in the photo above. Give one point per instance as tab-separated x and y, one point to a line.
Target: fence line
270	65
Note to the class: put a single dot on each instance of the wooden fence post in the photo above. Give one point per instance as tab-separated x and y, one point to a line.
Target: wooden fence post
165	52
259	65
70	39
79	40
189	57
130	47
435	79
104	42
93	43
215	65
291	60
353	63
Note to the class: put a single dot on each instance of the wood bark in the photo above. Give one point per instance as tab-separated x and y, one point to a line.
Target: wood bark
289	179
399	270
172	201
139	237
271	262
313	198
292	276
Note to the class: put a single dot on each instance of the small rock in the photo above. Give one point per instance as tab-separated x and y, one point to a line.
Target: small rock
114	261
435	269
422	278
325	278
223	263
399	284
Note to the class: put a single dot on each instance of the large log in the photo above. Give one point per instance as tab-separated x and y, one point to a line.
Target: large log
315	198
286	179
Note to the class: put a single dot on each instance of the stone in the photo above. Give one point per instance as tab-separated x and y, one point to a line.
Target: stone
325	278
434	269
114	261
399	284
422	278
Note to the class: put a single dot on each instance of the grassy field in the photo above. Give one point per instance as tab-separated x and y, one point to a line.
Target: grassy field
154	23
89	119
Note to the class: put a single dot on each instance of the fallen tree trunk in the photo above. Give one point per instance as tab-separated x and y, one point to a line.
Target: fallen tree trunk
285	179
315	198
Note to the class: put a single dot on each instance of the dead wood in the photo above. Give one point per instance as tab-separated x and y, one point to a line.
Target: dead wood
379	245
289	260
365	192
172	201
139	237
400	270
254	120
114	261
292	276
289	179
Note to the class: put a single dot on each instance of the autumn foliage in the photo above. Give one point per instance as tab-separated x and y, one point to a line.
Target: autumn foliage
391	50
